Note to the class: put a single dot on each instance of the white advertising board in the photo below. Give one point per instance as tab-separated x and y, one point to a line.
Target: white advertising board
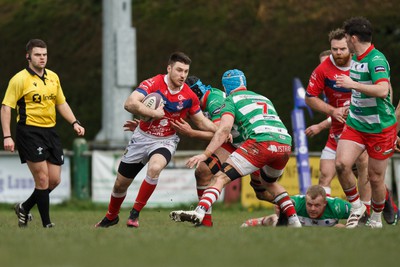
175	186
16	182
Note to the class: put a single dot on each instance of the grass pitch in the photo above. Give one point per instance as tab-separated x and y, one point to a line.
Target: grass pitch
161	242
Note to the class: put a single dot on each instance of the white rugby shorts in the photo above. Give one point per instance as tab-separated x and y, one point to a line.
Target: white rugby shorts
142	145
328	153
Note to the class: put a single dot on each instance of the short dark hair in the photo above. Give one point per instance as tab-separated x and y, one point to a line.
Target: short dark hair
360	27
34	43
179	57
337	34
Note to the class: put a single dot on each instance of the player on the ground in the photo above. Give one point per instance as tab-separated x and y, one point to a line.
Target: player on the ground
313	209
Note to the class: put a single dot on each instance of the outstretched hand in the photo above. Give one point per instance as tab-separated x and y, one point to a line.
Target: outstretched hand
313	130
182	127
131	125
340	114
196	160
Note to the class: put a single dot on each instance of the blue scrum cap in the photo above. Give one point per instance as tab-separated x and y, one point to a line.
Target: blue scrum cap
233	79
197	86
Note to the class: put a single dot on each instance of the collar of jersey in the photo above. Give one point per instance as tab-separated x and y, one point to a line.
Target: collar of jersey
32	72
171	91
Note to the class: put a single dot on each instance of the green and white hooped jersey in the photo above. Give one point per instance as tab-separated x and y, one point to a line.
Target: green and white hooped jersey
370	114
255	118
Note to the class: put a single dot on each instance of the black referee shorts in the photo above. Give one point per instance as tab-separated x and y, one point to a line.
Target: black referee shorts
38	144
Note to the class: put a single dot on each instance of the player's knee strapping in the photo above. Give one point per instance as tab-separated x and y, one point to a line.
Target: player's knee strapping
257	186
231	172
163	152
213	163
130	170
267	178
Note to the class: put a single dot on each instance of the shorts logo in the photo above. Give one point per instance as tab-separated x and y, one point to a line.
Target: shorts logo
39	150
255	151
217	111
387	152
272	148
380	69
377	148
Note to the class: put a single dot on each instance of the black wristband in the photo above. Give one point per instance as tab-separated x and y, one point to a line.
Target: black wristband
8	136
398	134
78	122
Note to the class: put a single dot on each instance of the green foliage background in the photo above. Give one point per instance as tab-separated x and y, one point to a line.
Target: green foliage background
272	41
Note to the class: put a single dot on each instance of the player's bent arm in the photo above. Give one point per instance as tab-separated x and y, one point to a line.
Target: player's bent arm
380	89
221	134
134	105
182	127
319	105
203	135
203	123
339	113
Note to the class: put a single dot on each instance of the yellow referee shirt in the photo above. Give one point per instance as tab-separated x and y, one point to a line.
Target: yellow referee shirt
35	97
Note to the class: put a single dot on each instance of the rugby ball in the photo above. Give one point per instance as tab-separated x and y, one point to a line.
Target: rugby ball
153	101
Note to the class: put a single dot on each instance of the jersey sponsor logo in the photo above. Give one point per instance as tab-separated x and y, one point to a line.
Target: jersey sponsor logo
213	101
282	137
376	58
273	148
380	69
37	98
386	152
164	122
216	111
49	97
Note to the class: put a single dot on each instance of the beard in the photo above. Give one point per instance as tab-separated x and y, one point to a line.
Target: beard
341	61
